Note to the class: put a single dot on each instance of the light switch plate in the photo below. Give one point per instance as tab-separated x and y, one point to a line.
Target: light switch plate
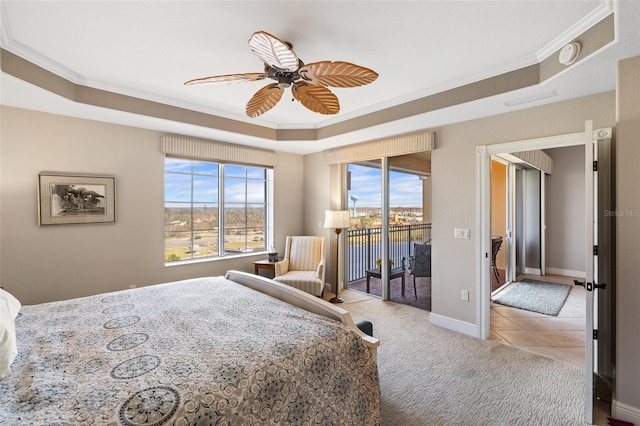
461	233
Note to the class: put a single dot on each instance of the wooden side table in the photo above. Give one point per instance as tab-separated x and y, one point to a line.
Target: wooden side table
394	273
264	264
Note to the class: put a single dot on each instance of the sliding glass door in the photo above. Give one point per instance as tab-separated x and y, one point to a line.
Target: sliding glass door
408	219
364	239
386	199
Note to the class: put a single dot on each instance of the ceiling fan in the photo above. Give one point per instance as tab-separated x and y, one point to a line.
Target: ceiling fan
308	82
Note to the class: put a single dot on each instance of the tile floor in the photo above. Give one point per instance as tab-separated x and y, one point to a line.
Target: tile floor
561	338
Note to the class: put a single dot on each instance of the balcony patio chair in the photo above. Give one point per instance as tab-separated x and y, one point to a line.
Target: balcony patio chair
420	263
303	265
496	242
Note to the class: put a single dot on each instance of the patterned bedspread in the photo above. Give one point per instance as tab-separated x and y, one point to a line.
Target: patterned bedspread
205	351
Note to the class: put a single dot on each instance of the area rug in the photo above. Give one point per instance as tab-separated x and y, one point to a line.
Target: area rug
536	296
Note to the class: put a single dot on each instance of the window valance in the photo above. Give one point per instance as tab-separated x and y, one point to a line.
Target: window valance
391	147
203	149
536	158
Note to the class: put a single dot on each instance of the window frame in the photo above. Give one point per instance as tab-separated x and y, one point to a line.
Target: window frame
223	252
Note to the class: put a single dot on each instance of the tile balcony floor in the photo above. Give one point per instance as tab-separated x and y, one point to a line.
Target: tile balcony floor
561	338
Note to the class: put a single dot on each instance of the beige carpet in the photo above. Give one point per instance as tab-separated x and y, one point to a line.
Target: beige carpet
433	376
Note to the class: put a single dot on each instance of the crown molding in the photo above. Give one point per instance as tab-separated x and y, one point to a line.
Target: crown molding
596	15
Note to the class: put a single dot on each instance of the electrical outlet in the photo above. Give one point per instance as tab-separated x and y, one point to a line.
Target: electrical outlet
462	233
464	295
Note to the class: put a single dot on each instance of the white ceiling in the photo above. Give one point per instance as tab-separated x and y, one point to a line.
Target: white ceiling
147	49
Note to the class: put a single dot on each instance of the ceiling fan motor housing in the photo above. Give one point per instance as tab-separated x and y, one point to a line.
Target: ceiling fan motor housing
284	78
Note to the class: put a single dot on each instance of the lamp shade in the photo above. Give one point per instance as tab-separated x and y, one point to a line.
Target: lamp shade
336	219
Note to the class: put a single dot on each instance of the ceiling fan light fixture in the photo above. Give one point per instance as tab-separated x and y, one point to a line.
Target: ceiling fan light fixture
284	82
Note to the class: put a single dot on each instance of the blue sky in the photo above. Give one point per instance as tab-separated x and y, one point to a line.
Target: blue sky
405	189
238	189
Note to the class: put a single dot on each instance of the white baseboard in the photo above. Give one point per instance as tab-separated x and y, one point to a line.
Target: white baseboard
566	272
533	271
625	412
454	324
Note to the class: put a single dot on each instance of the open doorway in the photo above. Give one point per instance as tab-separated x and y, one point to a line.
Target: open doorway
551	239
597	249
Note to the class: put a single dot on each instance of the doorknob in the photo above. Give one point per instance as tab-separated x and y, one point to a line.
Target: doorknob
586	285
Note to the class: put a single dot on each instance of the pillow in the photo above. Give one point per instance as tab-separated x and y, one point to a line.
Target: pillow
9	307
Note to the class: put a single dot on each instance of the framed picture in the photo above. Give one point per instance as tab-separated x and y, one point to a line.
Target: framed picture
75	198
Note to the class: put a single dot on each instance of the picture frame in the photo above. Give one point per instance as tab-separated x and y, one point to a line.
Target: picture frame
66	198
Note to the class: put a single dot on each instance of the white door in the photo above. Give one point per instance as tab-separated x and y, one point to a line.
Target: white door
598	268
591	235
512	229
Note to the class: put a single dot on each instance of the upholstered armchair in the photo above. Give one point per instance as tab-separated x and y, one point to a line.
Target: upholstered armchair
303	265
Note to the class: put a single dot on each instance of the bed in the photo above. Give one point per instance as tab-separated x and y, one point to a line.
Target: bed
232	350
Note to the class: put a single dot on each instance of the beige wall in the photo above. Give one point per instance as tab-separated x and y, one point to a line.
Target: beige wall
41	264
627	158
322	188
317	199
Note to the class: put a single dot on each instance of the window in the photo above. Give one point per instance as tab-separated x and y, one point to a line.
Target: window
206	200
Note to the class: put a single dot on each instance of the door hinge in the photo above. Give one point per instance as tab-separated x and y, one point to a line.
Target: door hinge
595	334
595	166
595	250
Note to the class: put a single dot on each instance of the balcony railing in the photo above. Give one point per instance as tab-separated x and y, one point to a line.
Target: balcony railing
365	246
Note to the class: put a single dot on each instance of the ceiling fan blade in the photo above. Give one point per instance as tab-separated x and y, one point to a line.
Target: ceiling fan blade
228	79
316	98
337	74
274	52
264	99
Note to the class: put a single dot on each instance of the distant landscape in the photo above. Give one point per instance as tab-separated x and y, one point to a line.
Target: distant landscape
371	217
244	232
